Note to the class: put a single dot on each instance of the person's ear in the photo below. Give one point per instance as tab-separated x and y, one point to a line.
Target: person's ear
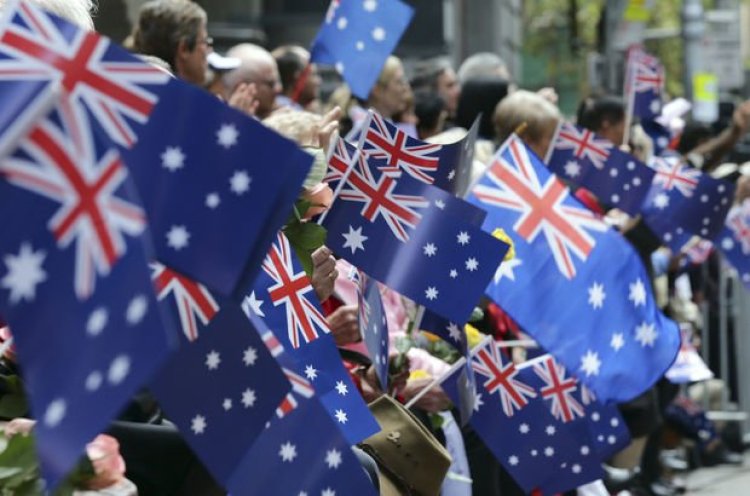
182	49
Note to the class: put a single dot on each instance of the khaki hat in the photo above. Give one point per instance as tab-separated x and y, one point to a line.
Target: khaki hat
410	459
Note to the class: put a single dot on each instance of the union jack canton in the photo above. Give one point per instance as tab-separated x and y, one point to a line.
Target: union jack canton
87	68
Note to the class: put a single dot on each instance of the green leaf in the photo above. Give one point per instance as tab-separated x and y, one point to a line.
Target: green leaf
13	405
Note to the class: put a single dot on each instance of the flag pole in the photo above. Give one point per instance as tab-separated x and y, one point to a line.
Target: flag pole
629	99
299	85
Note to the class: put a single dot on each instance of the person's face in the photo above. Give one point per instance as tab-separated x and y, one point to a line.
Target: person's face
449	90
268	86
311	90
194	63
391	96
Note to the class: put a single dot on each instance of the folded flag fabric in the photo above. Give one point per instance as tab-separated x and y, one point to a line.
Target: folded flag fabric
357	38
221	387
615	177
286	458
201	166
75	284
684	202
283	297
660	135
372	323
734	240
576	286
44	57
644	86
443	261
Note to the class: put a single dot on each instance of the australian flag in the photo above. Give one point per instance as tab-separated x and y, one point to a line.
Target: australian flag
75	284
644	85
221	388
443	260
734	241
513	413
660	136
395	154
357	37
283	297
615	177
201	166
684	202
372	323
599	317
44	58
286	458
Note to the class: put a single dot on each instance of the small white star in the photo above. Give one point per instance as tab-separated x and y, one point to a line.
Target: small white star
585	450
440	204
252	304
429	249
240	181
550	430
572	169
452	173
198	424
534	452
431	293
472	264
646	334
637	293
505	269
250	356
24	273
339	66
342	23
370	5
213	200
549	451
172	158
360	46
463	238
614	422
615	198
55	412
613	172
378	34
341	416
454	331
576	469
631	165
94	381
453	273
524	428
618	341
288	452
727	243
227	135
328	492
118	370
248	398
333	458
477	401
213	359
595	416
97	321
341	388
137	309
590	363
178	237
597	295
704	198
354	239
311	373
226	404
636	181
513	460
655	106
661	201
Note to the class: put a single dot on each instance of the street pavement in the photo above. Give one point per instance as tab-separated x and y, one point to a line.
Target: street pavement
724	480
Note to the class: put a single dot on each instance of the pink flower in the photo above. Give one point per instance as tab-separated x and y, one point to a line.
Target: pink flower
104	453
320	197
19	426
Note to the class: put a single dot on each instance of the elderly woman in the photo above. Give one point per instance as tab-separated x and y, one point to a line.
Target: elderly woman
530	115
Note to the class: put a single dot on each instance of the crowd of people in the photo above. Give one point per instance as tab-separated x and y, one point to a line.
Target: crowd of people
434	101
